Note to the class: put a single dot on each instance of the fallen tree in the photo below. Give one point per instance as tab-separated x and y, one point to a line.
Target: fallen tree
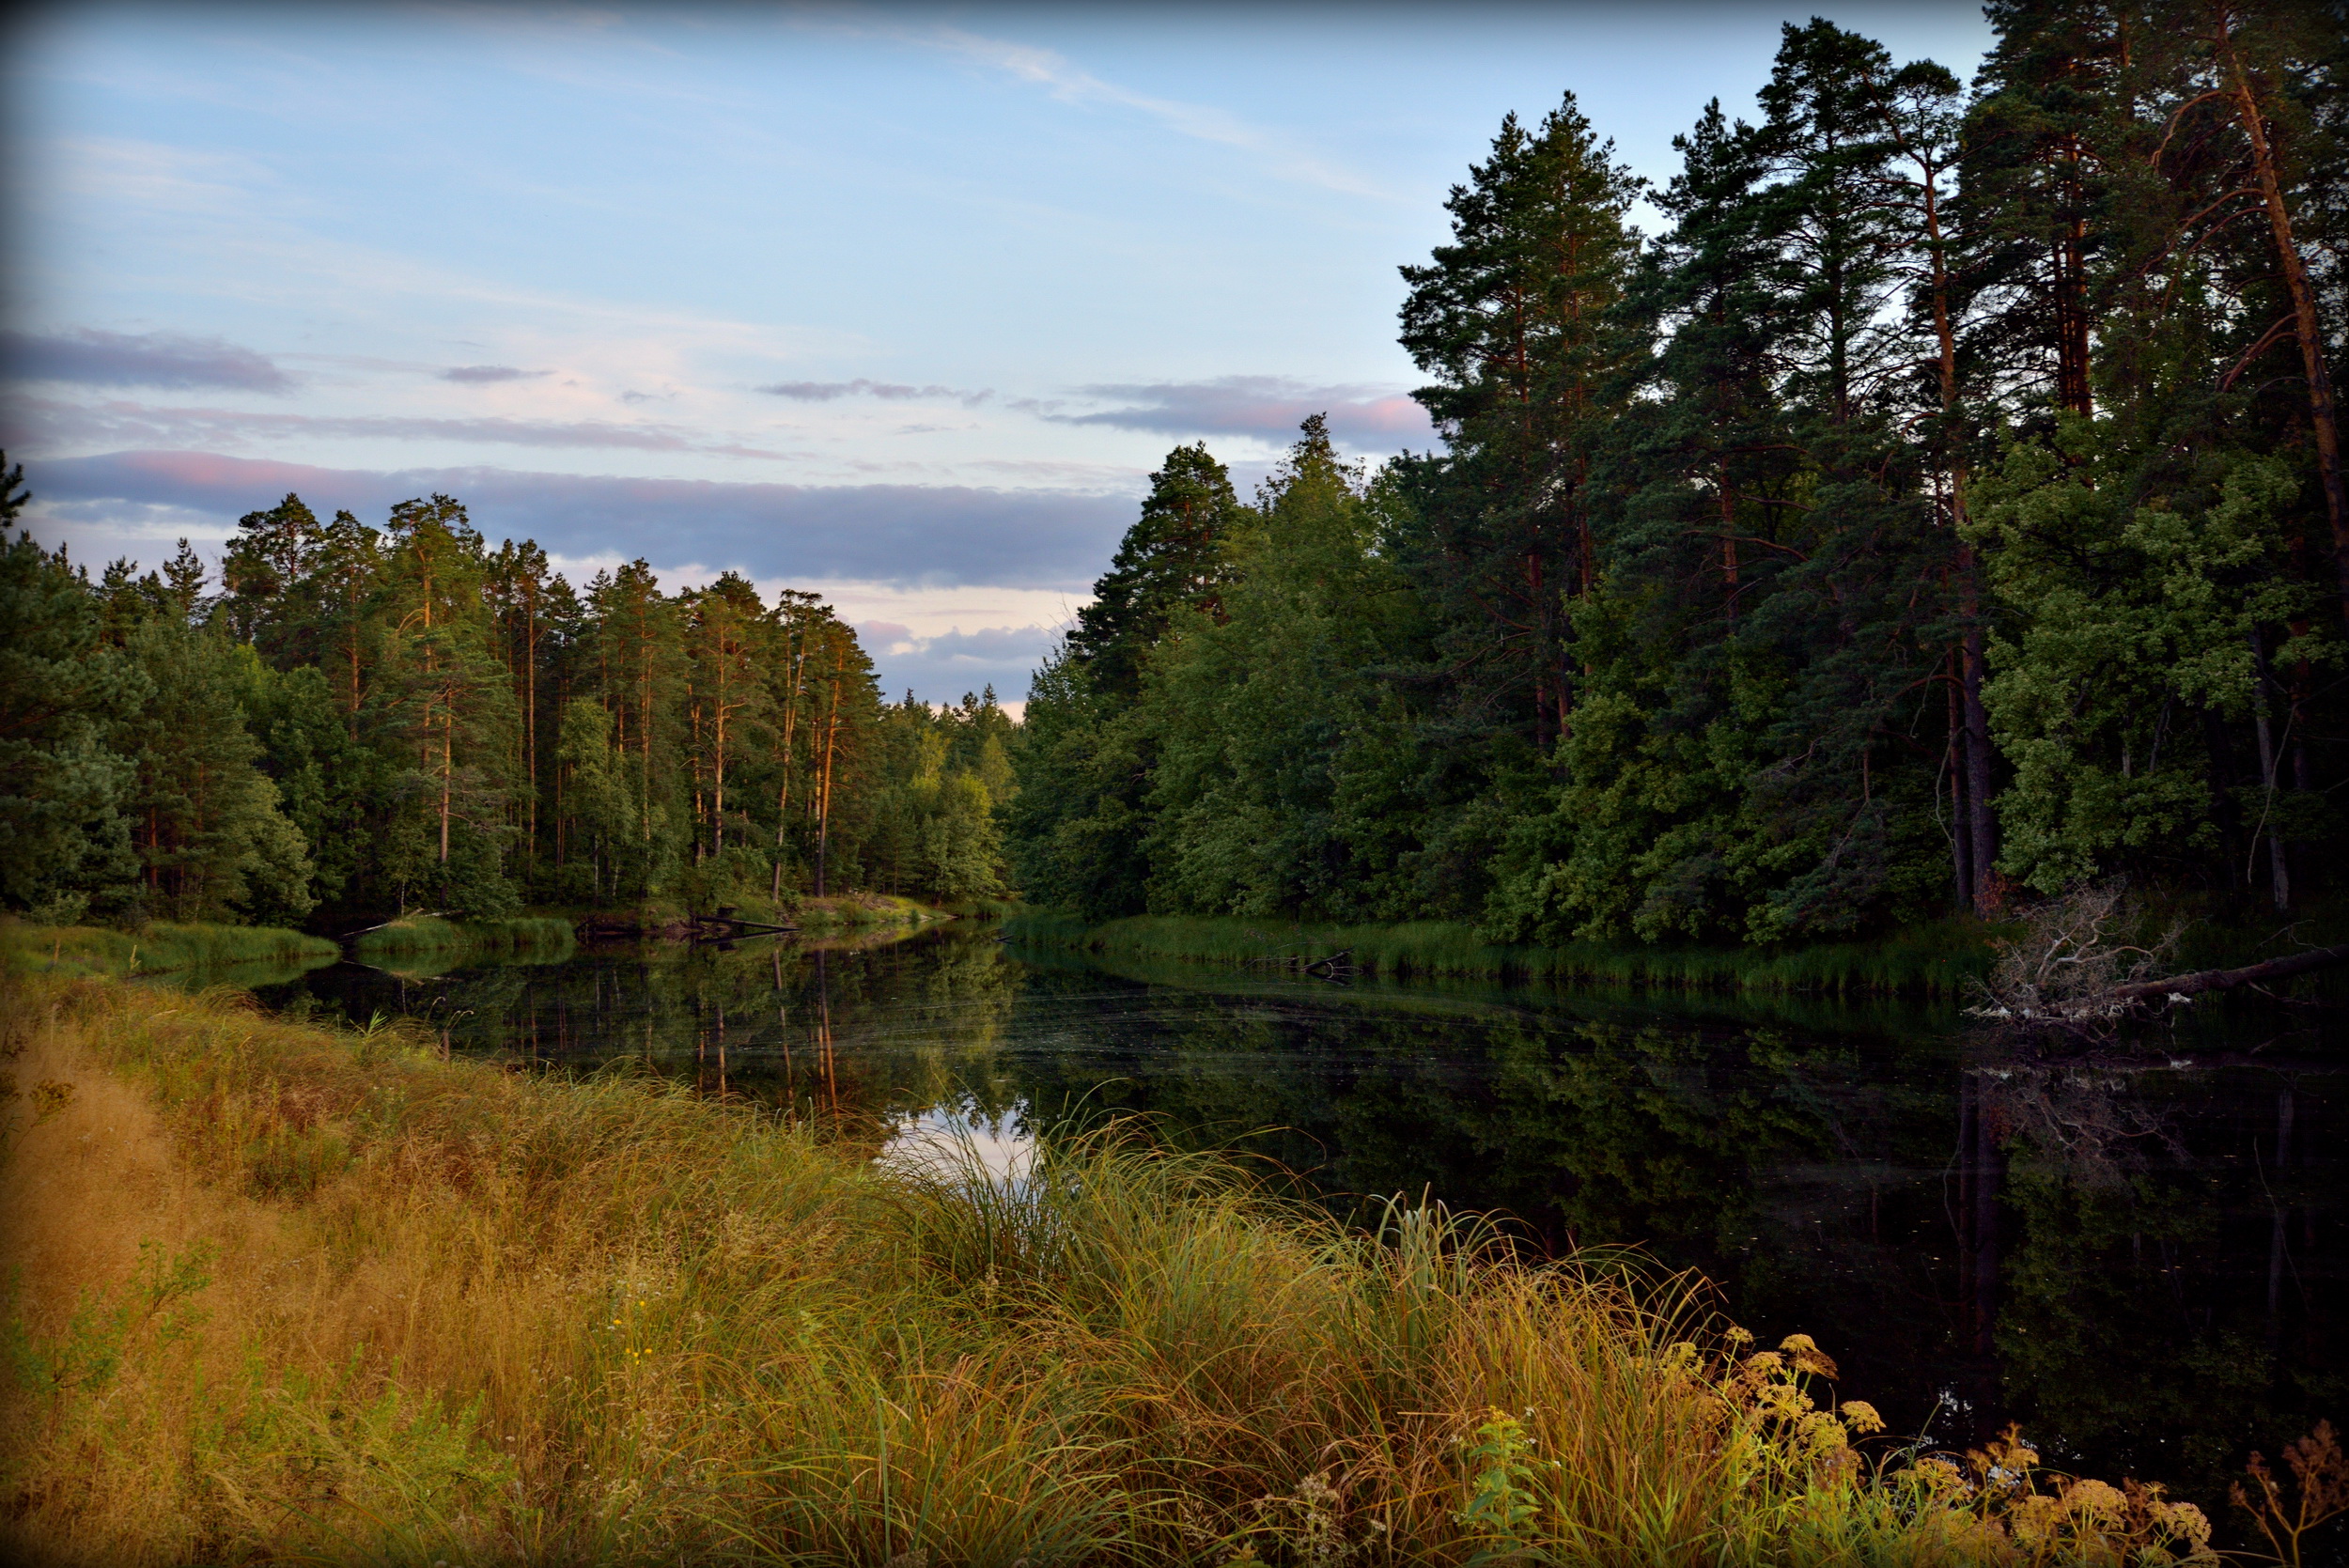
2186	988
2070	968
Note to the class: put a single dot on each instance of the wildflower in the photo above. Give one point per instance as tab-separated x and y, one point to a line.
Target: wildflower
1861	1415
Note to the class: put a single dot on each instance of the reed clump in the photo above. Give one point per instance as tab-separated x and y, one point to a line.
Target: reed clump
287	1291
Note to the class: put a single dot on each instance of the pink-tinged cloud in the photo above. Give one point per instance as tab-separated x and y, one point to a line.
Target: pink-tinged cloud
904	535
1268	408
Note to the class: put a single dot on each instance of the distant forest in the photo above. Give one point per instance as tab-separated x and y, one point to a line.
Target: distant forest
1944	508
362	720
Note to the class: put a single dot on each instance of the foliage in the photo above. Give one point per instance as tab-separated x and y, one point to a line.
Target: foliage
377	720
1931	512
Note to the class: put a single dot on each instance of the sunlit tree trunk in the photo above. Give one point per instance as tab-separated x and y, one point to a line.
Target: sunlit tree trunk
2295	278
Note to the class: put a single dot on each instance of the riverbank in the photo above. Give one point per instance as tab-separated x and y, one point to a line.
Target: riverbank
82	950
1934	961
287	1292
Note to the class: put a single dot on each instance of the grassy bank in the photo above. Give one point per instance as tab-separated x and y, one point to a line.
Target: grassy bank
156	949
846	911
288	1293
430	938
1934	960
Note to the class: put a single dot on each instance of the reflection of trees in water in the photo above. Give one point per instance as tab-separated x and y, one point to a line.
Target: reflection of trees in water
2141	1262
1802	1174
2170	1293
869	1029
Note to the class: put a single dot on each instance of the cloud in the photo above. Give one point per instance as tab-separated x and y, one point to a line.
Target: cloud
1268	408
54	424
88	357
1071	83
483	375
941	668
826	392
906	535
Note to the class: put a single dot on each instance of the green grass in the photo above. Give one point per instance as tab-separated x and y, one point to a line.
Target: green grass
411	1309
1932	960
855	911
159	948
430	938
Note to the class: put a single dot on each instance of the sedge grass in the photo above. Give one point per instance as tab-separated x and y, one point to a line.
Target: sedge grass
1932	961
291	1293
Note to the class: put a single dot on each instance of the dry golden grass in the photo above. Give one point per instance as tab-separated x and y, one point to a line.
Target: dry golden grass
283	1293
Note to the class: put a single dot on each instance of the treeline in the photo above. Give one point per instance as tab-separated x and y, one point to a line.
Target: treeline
1946	503
359	720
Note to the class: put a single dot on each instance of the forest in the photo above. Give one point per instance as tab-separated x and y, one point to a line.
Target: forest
1943	509
362	721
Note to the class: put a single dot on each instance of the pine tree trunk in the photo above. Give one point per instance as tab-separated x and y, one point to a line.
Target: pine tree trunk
783	789
1982	826
448	744
823	809
2295	274
2279	865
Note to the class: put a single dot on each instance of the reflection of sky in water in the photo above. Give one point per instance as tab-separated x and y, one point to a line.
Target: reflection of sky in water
948	1140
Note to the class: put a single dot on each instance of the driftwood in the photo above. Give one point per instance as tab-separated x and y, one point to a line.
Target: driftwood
1297	963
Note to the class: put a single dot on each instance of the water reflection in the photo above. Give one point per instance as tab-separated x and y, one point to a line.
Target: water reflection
2141	1259
958	1140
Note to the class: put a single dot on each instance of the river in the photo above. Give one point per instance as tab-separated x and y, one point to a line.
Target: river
2140	1257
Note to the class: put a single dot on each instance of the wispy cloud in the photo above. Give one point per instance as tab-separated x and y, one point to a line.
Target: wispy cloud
1268	408
907	534
1072	84
829	392
486	375
88	357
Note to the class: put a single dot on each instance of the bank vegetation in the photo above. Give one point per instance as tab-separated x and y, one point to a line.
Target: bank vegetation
284	1292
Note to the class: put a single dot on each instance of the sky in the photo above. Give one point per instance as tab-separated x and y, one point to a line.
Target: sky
900	304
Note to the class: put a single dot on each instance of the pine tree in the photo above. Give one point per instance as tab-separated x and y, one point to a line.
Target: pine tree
1175	557
63	837
1516	320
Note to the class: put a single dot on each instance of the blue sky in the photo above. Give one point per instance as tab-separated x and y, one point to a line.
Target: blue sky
898	303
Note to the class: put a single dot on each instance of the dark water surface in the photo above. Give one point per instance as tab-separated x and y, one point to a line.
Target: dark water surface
2139	1257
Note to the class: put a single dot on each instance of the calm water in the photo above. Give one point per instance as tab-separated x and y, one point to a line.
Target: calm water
2141	1259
